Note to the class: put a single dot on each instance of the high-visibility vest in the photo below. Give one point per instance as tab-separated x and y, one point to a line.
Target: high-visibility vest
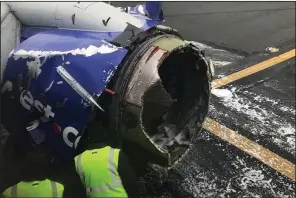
97	169
45	188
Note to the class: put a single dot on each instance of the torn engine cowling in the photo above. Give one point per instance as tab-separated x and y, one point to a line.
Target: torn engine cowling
131	79
163	97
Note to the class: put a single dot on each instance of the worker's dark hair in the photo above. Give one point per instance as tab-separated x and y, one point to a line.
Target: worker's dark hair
94	135
35	165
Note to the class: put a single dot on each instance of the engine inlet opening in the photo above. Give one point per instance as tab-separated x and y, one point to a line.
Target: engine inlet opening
174	105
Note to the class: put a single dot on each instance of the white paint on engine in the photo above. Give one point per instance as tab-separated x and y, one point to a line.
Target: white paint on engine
141	9
110	74
34	66
90	51
49	87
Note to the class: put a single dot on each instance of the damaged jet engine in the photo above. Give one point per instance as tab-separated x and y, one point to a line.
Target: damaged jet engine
76	65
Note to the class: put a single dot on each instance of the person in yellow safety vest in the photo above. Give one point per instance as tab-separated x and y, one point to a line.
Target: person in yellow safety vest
45	188
99	172
32	177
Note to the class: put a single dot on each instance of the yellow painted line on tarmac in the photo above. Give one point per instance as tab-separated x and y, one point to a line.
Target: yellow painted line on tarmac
269	158
253	69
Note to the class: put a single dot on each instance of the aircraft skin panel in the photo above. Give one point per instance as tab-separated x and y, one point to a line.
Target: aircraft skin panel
90	16
88	61
28	31
10	38
4	11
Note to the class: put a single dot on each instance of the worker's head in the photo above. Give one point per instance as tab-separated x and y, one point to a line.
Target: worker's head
35	164
93	134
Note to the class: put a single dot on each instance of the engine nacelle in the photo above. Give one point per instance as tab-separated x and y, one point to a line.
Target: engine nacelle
163	97
142	85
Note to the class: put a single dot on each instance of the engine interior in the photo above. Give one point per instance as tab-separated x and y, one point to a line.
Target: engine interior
164	98
167	103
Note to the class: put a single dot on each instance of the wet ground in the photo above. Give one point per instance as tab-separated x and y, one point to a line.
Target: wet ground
214	168
260	107
243	27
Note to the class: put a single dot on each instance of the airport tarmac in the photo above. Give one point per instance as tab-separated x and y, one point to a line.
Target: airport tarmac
247	146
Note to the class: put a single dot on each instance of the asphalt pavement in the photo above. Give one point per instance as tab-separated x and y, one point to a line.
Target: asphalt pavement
261	107
246	27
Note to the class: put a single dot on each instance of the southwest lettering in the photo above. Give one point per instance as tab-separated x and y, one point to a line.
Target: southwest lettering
26	99
33	125
38	105
66	132
48	112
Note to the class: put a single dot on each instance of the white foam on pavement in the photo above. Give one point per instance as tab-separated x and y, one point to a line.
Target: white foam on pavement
222	93
261	121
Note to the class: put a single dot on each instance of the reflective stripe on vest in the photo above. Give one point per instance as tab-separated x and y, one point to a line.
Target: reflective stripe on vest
115	182
79	167
14	191
54	189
